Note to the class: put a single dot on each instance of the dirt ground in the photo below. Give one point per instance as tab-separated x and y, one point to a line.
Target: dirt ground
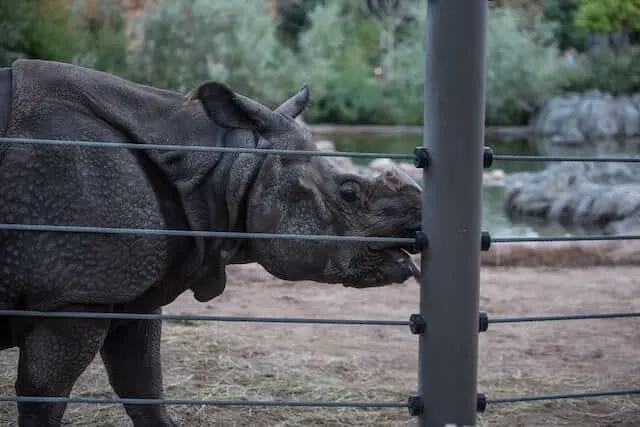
308	362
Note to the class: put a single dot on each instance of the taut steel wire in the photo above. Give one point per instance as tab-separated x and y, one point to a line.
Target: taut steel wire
602	159
557	396
202	148
285	320
200	402
191	233
195	318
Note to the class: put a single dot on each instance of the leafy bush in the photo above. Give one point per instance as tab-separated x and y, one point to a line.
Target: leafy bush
101	42
35	29
56	30
335	48
339	53
522	68
294	19
403	82
343	85
523	65
566	33
187	41
604	16
615	72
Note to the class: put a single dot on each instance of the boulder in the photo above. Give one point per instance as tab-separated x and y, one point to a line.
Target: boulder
494	177
341	162
575	118
578	194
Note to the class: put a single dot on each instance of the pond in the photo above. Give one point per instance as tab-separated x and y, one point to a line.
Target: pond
493	218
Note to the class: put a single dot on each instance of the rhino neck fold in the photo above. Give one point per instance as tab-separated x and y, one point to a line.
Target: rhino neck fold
241	175
218	201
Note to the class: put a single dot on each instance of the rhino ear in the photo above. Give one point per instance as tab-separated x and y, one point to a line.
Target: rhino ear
230	109
295	105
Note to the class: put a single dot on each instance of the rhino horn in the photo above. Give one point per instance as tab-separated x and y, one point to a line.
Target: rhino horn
295	105
396	179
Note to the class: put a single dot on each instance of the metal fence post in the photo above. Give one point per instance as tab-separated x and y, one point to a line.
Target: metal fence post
454	136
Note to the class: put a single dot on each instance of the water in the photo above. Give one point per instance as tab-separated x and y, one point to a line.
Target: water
493	218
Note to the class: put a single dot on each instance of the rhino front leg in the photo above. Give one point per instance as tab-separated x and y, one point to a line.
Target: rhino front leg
52	357
131	355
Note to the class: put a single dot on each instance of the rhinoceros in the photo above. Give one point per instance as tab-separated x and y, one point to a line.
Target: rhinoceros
163	189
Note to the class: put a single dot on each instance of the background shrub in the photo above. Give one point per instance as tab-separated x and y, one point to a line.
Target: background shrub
615	72
35	29
336	46
523	65
187	41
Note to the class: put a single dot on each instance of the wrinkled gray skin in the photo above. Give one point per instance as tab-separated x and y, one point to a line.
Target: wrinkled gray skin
162	189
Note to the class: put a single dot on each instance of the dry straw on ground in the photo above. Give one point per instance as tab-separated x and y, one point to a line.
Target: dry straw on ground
309	362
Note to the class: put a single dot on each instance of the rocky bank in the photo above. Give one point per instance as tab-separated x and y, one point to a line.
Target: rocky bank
586	194
576	118
490	178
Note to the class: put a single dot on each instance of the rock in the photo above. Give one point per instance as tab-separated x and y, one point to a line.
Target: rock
381	164
325	145
341	162
576	118
579	194
494	177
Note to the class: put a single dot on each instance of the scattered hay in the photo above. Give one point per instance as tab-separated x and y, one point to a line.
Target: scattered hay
325	362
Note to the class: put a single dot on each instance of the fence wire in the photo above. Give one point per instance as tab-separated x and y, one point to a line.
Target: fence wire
483	317
485	320
562	317
595	237
558	396
201	318
579	159
201	402
190	233
291	320
203	148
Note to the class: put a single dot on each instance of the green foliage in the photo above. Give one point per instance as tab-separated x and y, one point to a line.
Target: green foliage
35	29
294	18
187	41
335	65
101	44
404	71
566	33
617	73
522	65
55	30
340	68
605	16
332	45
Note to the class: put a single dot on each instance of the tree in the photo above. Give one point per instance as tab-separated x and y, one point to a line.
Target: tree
35	29
609	16
293	18
567	33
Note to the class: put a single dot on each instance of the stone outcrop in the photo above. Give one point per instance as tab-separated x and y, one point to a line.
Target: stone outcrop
575	118
578	194
493	177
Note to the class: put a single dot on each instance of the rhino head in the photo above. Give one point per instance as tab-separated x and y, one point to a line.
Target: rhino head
311	195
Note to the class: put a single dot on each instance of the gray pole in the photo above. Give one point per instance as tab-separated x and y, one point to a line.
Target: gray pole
454	134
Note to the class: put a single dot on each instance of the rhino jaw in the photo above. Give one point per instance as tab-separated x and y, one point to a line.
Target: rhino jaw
406	268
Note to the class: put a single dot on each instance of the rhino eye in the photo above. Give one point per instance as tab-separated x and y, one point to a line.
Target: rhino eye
349	192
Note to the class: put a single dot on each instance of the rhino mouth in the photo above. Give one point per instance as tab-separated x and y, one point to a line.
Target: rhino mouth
403	257
398	265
